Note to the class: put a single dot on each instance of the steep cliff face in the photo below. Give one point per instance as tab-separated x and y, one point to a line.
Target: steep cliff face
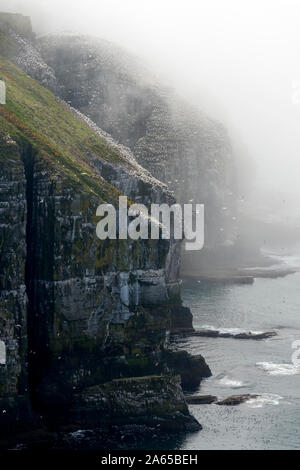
13	300
181	147
76	312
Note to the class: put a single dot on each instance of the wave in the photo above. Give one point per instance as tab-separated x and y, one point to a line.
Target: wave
229	382
232	331
264	399
279	369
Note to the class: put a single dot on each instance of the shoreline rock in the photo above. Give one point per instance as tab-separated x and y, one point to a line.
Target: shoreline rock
234	400
151	401
192	369
218	334
72	438
181	319
201	399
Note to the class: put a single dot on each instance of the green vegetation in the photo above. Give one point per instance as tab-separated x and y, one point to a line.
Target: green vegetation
34	115
7	46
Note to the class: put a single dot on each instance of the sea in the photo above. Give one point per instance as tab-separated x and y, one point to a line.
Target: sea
268	368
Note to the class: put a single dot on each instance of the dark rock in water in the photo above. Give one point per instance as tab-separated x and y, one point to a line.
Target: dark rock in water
236	399
192	369
208	399
209	333
181	320
201	399
265	335
219	334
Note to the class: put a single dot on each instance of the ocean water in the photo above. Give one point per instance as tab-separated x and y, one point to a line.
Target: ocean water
265	367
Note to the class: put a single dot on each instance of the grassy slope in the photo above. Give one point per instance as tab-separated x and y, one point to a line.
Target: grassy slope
33	115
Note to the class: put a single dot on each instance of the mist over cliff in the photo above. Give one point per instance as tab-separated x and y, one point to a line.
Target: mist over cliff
238	61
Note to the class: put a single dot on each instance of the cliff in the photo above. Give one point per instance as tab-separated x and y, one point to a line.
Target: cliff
179	145
77	314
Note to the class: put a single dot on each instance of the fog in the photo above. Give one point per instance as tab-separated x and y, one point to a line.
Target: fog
239	61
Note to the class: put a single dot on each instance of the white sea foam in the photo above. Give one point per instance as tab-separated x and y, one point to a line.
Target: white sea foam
232	331
279	369
229	382
264	399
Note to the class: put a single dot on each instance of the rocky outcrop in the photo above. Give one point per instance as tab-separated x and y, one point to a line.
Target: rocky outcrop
192	369
242	335
233	400
77	313
153	400
201	399
181	320
237	399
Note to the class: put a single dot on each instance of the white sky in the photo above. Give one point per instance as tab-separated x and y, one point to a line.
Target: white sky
236	59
